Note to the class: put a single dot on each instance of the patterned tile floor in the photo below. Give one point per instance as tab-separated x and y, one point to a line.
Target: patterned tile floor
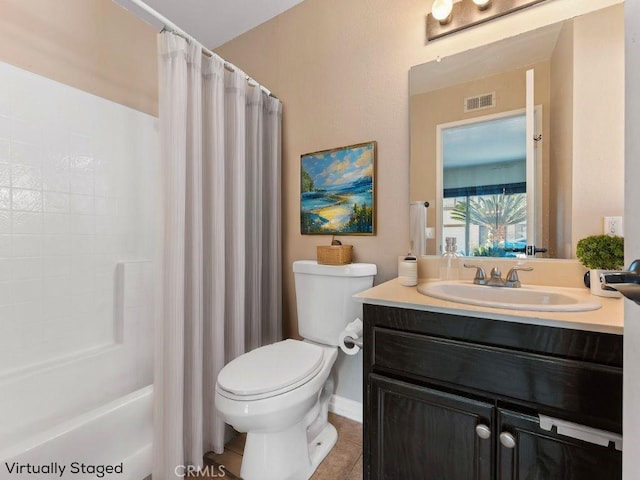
344	462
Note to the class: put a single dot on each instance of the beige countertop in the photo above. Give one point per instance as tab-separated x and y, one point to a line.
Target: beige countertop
608	319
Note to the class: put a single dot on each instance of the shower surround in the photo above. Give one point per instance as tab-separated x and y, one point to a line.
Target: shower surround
77	220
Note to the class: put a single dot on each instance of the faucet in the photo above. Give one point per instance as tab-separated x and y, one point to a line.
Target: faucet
481	277
496	280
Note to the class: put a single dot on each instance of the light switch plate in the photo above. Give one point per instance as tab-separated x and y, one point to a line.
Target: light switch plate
613	226
429	233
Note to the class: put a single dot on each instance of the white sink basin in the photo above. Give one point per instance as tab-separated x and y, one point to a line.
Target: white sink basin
533	298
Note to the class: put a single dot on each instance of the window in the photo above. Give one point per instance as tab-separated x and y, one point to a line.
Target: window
484	186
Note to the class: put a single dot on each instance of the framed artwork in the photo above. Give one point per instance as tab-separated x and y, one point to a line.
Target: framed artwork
337	191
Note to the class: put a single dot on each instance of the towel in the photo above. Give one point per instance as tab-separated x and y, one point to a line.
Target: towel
418	226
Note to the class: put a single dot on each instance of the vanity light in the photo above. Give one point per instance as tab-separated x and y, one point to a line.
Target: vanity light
482	4
441	11
448	17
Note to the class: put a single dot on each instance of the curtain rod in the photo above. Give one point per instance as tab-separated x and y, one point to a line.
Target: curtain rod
173	28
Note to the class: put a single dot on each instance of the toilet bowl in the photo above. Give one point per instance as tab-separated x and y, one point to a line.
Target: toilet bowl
279	394
277	422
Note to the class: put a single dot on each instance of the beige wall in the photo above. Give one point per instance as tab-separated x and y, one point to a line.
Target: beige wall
561	149
427	110
341	70
587	127
334	66
92	45
598	125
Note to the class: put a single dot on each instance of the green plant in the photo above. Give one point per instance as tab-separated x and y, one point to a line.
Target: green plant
492	211
601	252
490	250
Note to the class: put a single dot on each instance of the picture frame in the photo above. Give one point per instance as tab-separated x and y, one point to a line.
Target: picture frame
337	191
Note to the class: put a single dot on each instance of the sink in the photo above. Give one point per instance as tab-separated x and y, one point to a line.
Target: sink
532	298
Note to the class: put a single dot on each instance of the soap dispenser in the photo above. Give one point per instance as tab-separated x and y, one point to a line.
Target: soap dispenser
451	262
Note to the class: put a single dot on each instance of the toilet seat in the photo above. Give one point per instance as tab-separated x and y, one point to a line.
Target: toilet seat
270	370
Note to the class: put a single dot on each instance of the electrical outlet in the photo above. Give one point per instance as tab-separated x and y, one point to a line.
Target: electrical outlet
613	226
429	233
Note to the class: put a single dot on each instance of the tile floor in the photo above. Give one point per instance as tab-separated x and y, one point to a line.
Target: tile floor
344	462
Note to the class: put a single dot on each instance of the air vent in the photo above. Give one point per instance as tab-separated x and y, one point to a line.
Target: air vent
480	102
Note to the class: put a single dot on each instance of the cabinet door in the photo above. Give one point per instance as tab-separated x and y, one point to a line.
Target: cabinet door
536	454
418	433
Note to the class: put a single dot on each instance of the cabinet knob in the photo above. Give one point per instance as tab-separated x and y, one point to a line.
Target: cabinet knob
507	440
483	431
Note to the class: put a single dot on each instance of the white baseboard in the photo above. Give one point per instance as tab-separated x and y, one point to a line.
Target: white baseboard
346	407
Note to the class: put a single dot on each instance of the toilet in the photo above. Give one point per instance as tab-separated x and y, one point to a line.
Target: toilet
279	394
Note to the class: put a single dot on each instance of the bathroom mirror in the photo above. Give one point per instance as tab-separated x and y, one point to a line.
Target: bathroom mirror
578	96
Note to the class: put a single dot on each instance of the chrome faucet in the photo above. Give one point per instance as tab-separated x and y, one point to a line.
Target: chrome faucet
512	279
496	280
481	277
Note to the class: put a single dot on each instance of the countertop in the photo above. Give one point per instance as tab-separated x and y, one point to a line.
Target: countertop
608	319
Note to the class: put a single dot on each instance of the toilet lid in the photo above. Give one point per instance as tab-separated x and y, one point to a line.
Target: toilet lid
272	367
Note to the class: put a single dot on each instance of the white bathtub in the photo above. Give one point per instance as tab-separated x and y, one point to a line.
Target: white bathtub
92	407
114	436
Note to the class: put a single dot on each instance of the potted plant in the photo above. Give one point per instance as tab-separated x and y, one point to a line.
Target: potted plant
600	253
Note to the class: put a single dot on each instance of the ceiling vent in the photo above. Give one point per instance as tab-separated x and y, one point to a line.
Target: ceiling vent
480	102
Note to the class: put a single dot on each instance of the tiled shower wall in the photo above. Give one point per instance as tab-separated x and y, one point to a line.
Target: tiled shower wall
76	197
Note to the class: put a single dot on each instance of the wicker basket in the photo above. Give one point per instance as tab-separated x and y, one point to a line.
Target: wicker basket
334	254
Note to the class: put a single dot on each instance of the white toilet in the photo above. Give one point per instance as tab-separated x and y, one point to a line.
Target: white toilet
279	394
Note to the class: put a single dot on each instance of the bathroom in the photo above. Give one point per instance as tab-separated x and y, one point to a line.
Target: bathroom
341	71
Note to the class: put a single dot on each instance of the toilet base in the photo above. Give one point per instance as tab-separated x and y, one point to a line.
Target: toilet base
286	455
320	446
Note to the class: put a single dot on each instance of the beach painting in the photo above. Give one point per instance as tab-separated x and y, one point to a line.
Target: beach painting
337	194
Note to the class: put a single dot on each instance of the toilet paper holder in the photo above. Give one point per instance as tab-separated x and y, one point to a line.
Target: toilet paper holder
350	343
350	339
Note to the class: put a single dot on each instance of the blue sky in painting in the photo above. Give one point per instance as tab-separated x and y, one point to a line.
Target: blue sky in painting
328	169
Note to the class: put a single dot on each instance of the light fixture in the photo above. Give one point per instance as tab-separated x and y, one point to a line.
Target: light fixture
448	16
441	11
482	4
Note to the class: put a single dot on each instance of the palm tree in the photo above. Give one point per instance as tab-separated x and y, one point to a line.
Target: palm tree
494	212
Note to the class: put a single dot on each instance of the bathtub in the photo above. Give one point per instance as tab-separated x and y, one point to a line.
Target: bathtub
92	407
112	441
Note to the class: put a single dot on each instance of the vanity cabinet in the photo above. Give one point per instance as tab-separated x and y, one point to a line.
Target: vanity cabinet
456	397
406	414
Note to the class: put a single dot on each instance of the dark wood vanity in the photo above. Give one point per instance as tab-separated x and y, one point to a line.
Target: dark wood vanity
455	397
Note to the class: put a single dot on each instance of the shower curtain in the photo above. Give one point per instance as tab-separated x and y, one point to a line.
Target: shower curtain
219	263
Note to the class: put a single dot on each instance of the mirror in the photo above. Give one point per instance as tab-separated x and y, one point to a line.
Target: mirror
579	153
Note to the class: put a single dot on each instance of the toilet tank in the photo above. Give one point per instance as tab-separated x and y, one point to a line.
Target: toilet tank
323	297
